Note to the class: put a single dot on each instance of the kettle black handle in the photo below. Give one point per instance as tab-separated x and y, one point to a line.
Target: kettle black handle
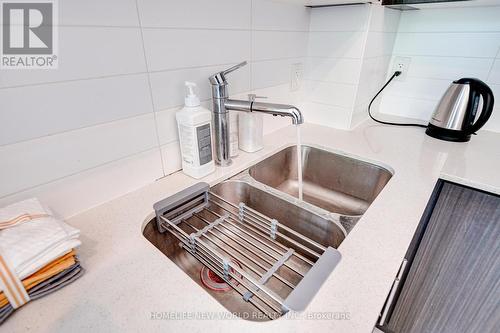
488	100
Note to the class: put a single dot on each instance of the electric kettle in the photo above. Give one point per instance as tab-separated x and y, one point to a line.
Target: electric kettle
454	118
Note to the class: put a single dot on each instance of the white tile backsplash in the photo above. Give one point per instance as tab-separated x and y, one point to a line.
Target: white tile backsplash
449	68
171	155
340	70
384	20
359	113
493	123
213	14
342	18
348	55
331	93
379	44
446	44
421	88
372	78
494	75
167	125
122	13
291	45
36	162
104	123
336	44
404	106
480	19
495	88
185	48
86	52
327	115
71	195
35	111
268	73
275	15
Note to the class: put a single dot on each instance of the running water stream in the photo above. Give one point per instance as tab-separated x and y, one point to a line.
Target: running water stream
299	163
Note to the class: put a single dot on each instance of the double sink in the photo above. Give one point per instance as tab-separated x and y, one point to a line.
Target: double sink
337	190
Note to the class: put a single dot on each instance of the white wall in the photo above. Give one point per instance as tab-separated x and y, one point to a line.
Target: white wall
348	54
444	45
103	123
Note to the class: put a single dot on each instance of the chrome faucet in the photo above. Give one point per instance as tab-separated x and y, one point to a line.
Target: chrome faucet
222	105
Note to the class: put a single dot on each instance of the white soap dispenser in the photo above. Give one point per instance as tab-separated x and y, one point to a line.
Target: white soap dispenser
194	123
251	129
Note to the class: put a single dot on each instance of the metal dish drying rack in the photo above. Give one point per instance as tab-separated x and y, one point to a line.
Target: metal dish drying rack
270	265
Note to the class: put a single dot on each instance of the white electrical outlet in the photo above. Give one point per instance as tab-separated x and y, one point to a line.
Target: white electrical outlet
401	64
296	73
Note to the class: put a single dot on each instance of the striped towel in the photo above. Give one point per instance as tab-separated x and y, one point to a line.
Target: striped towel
30	238
12	286
29	246
21	212
49	286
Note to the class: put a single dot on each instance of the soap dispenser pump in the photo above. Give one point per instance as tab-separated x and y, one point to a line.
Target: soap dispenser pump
194	123
191	98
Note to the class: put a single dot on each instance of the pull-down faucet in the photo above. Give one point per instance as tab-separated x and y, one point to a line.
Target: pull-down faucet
222	105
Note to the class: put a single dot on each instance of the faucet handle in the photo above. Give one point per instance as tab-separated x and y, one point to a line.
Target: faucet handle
220	77
253	97
235	67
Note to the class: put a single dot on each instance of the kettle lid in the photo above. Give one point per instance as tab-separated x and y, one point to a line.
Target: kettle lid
466	80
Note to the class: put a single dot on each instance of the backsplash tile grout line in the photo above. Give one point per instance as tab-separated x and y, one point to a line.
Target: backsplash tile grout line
150	86
78	129
43	83
151	149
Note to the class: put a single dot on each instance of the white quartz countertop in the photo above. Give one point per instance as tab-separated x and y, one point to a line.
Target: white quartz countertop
130	286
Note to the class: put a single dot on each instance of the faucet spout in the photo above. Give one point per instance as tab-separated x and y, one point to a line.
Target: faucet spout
274	109
283	110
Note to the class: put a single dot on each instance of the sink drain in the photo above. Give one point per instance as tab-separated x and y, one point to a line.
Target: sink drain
214	282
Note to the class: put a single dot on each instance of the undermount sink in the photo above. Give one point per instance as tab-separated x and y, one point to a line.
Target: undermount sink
336	183
251	244
295	218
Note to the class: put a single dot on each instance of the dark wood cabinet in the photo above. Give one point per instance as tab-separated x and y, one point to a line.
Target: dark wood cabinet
451	282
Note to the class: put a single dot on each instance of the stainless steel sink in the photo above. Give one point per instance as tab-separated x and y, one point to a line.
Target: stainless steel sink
315	227
301	220
333	182
251	244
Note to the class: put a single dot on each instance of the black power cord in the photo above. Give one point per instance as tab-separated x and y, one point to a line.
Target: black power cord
396	73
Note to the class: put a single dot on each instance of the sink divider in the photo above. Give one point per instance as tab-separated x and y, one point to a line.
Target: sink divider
242	246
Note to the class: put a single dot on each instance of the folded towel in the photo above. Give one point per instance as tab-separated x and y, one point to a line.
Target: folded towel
53	268
21	212
30	246
49	286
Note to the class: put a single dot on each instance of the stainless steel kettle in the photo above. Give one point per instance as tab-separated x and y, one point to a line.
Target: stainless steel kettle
454	118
